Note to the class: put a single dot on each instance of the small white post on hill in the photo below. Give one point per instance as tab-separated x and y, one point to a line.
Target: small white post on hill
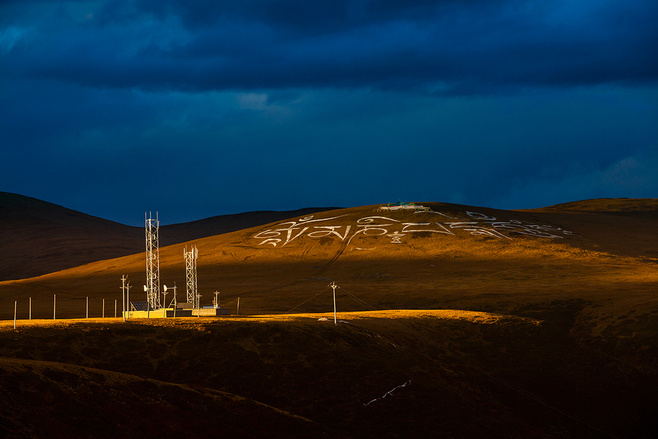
123	295
30	308
333	287
164	308
175	300
15	306
128	297
148	305
87	309
103	308
115	308
54	305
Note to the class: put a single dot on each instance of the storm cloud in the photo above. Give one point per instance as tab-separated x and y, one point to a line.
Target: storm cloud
436	47
207	107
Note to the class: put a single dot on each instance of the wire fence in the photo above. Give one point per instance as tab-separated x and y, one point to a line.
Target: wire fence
88	308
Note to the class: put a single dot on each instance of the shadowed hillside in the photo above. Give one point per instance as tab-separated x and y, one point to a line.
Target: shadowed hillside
388	374
66	401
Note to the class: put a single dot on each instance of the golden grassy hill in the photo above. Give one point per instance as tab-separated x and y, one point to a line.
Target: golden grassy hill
452	257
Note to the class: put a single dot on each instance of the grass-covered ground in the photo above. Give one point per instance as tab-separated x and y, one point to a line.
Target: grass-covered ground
417	373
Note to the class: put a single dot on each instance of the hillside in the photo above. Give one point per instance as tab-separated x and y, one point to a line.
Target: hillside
536	323
66	401
387	374
37	237
631	206
452	256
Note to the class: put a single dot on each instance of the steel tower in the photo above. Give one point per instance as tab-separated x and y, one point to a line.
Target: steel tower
152	286
191	275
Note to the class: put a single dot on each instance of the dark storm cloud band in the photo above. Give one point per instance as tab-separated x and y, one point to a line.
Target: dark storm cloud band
451	46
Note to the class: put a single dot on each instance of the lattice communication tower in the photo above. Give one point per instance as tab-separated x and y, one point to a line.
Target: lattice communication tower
191	276
152	286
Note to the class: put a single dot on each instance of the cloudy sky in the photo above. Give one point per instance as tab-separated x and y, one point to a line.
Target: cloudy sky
209	107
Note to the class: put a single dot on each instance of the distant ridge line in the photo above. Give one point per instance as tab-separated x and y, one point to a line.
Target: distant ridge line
38	237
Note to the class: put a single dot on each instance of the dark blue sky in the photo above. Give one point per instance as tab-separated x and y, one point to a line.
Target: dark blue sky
202	108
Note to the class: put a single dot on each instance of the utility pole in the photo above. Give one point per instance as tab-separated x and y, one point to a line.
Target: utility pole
124	278
128	297
164	305
333	287
216	299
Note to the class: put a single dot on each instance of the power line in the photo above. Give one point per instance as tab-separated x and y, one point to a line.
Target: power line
306	301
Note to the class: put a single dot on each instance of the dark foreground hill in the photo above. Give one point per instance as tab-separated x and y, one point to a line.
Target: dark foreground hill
37	237
45	399
387	374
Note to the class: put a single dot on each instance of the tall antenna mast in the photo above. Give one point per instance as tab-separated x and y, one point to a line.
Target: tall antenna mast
152	286
191	275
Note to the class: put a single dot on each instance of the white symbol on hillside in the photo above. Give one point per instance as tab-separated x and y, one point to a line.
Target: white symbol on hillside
475	223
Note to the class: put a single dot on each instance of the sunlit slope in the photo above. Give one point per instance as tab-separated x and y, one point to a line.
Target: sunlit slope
450	257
